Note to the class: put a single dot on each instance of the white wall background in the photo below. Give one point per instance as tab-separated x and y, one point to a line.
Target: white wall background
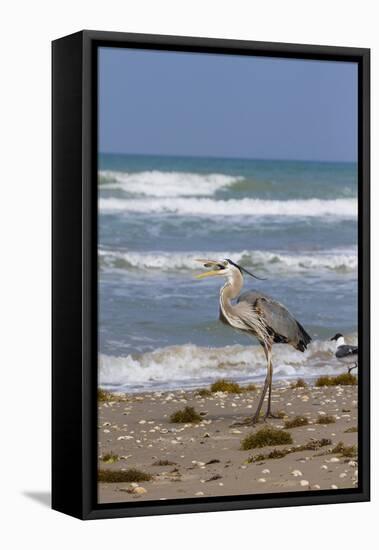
27	29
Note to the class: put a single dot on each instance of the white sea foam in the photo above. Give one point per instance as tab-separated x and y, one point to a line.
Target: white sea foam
337	208
190	365
166	184
336	260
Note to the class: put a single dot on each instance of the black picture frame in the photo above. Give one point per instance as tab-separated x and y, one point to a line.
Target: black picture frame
74	273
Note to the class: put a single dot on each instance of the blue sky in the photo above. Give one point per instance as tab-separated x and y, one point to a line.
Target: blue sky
172	103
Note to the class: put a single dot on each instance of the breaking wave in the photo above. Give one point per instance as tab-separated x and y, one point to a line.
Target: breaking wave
193	366
166	184
337	208
338	260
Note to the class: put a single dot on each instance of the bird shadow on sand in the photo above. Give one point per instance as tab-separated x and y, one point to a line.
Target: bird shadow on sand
41	497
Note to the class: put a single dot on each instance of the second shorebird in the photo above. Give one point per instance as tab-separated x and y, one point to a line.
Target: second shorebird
345	353
258	315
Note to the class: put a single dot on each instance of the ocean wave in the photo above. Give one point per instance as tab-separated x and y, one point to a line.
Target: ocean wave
337	260
205	207
192	366
166	184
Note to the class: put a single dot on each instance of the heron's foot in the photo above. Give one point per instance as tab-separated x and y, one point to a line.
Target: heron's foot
255	419
272	415
277	415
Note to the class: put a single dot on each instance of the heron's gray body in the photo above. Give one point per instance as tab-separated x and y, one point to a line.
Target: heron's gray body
262	316
280	324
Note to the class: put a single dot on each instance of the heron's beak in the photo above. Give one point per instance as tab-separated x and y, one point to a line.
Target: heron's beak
207	274
208	263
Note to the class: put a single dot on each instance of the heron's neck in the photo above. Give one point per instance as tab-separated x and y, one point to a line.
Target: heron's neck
230	290
340	342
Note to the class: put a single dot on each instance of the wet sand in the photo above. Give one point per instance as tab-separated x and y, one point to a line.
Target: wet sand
205	459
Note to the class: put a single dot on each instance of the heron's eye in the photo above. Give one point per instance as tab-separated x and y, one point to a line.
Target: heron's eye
225	263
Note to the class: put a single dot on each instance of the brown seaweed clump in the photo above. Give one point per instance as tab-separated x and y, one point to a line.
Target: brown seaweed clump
164	463
204	392
351	430
326	419
300	383
103	395
110	458
186	415
347	451
228	386
123	476
312	445
345	379
225	385
266	437
296	422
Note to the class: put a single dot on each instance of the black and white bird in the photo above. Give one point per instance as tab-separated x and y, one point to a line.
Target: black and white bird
344	353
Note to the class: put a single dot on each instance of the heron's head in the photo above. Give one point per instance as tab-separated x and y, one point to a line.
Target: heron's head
337	336
223	268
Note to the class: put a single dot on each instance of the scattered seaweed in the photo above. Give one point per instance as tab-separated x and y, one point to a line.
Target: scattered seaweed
300	383
276	453
347	451
326	419
214	478
312	445
344	379
164	463
266	437
315	444
103	395
204	392
110	458
324	381
296	422
227	386
123	476
351	430
186	415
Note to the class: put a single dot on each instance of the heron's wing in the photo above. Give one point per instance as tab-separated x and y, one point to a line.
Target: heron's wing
279	322
346	351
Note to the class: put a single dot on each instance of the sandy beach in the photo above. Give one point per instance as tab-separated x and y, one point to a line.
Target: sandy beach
206	459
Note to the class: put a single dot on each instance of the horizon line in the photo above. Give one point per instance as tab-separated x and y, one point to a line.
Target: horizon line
175	155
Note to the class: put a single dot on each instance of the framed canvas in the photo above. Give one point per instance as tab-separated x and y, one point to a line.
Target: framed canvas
210	275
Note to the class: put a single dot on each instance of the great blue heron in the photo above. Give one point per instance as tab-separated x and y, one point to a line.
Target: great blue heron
344	353
258	315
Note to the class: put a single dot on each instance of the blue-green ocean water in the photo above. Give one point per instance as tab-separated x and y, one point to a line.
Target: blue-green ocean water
294	223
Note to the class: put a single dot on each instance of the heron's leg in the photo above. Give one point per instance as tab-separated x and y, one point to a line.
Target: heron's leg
270	369
254	419
266	385
269	414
